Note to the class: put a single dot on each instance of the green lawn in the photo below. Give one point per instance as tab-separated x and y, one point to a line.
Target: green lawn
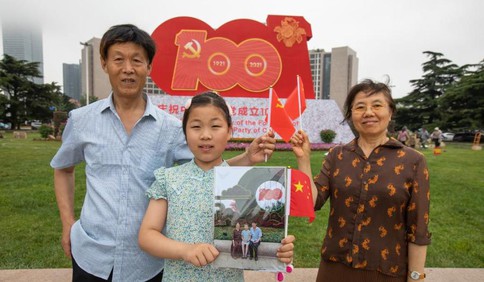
30	226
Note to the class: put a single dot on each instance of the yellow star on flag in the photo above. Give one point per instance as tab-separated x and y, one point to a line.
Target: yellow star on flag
299	186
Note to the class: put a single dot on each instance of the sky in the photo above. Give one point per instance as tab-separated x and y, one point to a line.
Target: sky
388	36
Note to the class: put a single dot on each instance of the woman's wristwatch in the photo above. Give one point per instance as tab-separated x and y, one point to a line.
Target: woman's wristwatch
415	275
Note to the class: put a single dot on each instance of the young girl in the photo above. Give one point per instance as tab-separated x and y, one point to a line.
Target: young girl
182	200
245	240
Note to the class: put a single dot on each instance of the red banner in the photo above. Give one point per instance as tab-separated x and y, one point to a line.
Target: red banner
242	58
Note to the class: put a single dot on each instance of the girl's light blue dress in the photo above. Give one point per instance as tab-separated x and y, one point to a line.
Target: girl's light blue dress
190	194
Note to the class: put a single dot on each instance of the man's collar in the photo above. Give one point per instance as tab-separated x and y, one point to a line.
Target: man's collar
150	109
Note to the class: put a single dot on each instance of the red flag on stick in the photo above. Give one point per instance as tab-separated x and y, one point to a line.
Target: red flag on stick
278	119
296	102
301	195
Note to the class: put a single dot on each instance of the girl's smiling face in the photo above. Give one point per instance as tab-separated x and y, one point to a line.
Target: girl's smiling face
207	134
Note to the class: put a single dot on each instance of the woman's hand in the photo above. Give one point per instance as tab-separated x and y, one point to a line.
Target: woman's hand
301	145
285	252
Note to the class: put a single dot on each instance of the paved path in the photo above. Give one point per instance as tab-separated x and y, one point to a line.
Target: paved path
299	274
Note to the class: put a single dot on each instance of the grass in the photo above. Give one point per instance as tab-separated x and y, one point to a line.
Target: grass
30	225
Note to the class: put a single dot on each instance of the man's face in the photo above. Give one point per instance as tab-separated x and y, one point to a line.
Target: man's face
254	225
128	66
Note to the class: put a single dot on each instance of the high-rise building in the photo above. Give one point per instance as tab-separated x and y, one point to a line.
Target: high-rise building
152	88
72	80
23	41
91	68
333	73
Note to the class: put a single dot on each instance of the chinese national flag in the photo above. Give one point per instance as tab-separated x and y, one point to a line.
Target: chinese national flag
292	104
279	120
301	195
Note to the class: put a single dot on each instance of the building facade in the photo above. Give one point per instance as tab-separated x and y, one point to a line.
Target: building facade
151	88
93	78
23	41
333	73
71	75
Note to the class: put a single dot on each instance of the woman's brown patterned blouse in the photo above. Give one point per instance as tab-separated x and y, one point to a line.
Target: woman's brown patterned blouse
377	205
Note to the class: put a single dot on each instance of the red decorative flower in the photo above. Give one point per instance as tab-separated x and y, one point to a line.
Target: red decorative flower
289	32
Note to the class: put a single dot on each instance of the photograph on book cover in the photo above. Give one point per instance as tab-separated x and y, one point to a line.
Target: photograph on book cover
250	217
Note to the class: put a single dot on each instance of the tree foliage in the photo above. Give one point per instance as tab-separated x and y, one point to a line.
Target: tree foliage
16	82
24	100
447	96
463	103
92	99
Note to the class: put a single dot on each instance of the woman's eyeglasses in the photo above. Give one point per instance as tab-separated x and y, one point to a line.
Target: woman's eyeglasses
360	109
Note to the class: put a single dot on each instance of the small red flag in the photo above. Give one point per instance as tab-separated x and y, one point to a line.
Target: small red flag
292	105
301	195
279	120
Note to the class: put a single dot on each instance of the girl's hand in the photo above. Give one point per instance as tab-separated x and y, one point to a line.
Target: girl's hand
262	148
200	254
300	144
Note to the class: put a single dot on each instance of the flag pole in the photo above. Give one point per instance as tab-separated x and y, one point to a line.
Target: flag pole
269	117
299	101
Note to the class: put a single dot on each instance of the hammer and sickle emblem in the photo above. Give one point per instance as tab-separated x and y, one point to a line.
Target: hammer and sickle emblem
279	105
194	52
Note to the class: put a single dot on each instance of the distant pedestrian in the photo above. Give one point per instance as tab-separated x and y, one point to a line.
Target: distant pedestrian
424	137
403	136
436	137
412	140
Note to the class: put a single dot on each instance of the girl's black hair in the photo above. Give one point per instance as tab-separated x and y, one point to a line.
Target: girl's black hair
207	98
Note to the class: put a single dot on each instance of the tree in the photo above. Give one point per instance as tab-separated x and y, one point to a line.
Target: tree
92	99
463	102
46	99
16	82
22	99
421	106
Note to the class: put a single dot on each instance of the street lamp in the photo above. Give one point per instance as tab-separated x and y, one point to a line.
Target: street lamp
86	47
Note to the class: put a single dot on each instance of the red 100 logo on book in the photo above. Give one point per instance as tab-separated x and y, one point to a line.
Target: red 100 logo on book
270	196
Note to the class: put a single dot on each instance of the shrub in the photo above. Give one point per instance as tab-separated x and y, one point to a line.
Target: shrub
59	118
61	128
45	131
327	135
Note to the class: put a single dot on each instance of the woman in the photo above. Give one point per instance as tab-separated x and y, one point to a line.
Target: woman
379	196
403	136
236	247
